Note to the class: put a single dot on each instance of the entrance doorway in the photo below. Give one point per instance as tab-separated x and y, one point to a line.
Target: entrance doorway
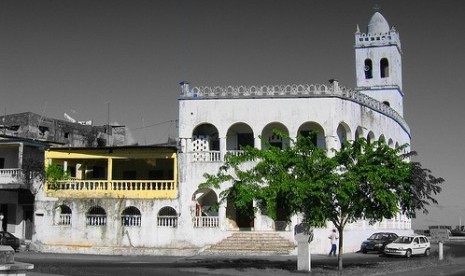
242	216
245	218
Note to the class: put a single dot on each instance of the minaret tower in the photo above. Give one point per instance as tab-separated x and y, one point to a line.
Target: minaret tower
378	63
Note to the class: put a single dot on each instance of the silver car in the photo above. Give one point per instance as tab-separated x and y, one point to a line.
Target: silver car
408	246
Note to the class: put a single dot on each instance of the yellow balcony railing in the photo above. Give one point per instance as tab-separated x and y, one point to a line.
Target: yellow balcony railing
113	189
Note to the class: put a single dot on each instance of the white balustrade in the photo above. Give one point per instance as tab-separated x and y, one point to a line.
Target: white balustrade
10	172
206	222
140	185
130	220
65	219
207	156
167	221
115	185
96	220
235	152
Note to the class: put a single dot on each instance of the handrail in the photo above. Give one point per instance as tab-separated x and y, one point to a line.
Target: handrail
10	172
113	185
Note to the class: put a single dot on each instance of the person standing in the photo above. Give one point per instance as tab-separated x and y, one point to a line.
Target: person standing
333	238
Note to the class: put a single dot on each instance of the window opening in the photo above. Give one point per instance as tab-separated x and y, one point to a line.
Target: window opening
65	215
96	216
167	217
131	216
368	68
384	68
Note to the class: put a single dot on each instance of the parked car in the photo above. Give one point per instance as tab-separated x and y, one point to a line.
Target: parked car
377	242
408	246
6	238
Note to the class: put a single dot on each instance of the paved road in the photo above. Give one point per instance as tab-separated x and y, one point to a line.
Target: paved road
73	264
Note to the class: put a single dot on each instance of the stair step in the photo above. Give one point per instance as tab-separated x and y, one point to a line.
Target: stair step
252	243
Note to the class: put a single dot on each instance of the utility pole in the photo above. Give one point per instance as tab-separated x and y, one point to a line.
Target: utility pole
108	123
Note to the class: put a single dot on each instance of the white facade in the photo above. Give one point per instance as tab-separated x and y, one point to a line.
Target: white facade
216	120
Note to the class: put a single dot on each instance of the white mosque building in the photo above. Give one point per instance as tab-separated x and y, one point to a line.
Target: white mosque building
214	121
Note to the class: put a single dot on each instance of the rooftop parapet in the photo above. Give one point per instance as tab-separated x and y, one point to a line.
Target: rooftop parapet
290	91
377	39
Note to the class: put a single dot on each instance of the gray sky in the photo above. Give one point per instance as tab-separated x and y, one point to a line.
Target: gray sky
81	57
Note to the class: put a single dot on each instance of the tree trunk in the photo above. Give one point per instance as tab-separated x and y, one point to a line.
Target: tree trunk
341	247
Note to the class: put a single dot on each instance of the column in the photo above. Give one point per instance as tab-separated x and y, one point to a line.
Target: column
258	143
222	148
20	155
222	220
109	173
331	143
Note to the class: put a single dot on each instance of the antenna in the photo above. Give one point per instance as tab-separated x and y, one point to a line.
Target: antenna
43	112
108	123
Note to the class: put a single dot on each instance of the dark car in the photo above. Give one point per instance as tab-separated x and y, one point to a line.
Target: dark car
377	242
7	238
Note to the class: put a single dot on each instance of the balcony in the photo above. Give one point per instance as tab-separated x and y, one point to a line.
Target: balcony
10	178
137	172
142	189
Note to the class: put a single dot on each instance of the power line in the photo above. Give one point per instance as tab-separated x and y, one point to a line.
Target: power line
156	124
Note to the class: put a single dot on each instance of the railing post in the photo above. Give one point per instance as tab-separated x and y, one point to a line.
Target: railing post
110	172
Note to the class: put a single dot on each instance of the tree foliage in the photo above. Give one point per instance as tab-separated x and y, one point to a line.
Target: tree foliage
33	173
362	180
55	173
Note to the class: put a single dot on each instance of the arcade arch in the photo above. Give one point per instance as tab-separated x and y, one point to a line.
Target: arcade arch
239	135
343	133
205	208
274	139
205	138
309	127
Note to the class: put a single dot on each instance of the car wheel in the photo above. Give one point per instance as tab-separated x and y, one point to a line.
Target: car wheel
427	252
408	254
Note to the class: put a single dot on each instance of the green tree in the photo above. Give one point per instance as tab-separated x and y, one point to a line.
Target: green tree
53	174
360	181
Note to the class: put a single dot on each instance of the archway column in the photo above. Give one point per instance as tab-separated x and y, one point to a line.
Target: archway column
332	142
258	142
222	147
222	220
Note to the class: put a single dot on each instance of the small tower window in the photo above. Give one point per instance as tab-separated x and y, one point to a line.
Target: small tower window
368	68
384	68
386	103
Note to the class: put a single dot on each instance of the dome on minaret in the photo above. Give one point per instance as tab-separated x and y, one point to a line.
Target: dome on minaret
378	24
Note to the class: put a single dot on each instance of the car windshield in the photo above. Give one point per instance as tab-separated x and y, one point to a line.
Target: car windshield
7	235
376	236
403	240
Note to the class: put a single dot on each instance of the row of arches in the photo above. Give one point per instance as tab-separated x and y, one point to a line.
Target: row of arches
206	137
129	217
383	68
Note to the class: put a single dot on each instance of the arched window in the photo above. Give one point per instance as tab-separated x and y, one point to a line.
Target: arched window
370	138
96	216
384	68
167	217
343	133
368	68
131	217
386	103
64	215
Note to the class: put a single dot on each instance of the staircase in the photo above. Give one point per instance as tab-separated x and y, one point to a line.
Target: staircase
251	243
